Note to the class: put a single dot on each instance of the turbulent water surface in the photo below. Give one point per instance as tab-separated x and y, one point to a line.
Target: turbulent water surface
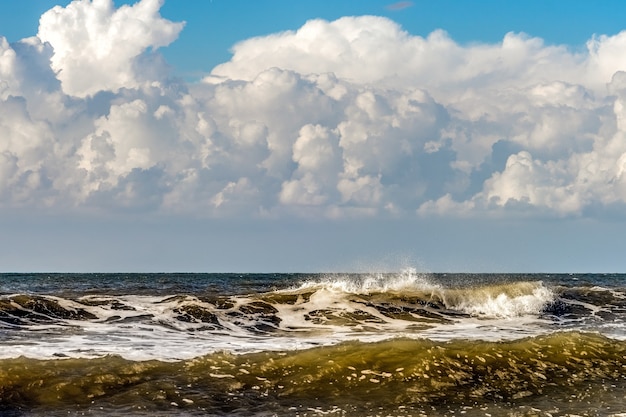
296	344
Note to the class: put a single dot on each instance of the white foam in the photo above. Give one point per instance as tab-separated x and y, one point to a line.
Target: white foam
497	301
138	341
502	312
501	304
407	280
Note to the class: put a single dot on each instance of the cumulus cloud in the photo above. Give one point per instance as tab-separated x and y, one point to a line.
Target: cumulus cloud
354	117
97	47
372	49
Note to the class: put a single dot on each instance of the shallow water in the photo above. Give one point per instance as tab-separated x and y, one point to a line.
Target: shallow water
368	344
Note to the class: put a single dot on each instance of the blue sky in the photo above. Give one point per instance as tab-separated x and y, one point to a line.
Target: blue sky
275	136
214	26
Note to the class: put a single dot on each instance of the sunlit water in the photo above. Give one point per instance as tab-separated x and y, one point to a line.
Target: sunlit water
295	344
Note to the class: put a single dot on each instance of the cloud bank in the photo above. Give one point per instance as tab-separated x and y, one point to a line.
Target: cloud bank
354	117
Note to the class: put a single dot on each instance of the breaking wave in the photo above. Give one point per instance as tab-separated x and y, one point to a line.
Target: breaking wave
485	300
337	344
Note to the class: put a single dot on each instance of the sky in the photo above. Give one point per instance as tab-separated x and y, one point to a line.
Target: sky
275	136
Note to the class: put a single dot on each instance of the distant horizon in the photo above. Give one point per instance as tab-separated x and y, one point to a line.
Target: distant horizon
306	273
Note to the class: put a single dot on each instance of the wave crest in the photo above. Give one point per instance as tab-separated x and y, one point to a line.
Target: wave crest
406	280
500	301
483	300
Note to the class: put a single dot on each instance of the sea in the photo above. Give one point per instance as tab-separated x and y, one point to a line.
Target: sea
370	344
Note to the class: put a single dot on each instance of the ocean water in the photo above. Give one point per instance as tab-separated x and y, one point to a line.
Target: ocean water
395	344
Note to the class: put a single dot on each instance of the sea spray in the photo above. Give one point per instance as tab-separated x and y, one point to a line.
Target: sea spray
499	301
406	280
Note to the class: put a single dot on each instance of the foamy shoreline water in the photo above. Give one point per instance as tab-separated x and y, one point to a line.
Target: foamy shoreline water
313	313
352	344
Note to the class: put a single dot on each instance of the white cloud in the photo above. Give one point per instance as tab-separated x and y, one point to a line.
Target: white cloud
371	49
97	47
316	152
354	117
536	183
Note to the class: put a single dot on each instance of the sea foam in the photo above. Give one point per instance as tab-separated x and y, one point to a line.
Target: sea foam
500	301
484	300
406	280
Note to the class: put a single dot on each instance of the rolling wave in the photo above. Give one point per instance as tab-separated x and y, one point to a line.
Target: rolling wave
322	311
354	302
495	300
566	371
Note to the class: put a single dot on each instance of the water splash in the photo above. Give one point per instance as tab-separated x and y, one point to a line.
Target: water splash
406	280
483	300
500	301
